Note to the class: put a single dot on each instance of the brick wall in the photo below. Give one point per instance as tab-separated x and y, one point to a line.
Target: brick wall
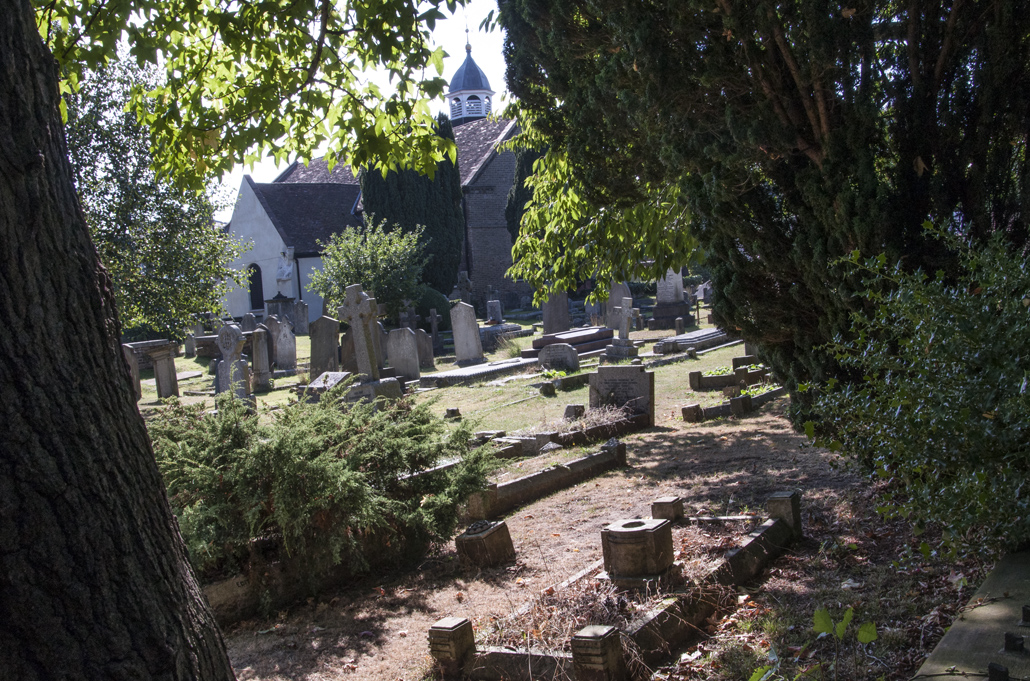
489	243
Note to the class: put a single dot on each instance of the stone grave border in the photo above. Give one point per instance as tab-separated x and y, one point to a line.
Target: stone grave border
550	388
698	382
685	355
737	406
668	626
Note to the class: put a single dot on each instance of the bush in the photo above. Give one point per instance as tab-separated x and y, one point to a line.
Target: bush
431	298
322	480
942	412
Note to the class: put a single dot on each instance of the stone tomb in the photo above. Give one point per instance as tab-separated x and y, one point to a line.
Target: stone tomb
559	356
325	345
637	548
485	543
468	348
556	313
402	349
630	387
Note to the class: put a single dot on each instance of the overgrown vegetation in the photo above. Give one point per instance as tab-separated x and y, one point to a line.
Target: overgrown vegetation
328	483
943	412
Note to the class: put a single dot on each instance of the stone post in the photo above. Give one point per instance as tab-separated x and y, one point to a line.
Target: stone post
680	327
787	507
452	643
164	370
133	362
597	654
668	508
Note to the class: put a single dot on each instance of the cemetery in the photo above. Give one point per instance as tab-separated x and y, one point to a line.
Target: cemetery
635	496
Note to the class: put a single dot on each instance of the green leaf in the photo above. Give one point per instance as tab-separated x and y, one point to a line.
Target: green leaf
866	633
761	673
821	622
842	626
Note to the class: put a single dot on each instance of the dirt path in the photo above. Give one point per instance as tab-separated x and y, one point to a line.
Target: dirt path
377	629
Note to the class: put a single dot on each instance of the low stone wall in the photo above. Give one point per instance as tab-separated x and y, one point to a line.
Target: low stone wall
499	499
740	377
738	406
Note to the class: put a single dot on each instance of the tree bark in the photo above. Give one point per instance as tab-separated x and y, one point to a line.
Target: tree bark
94	578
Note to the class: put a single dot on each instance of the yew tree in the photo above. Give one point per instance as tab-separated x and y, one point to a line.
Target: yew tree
94	579
797	133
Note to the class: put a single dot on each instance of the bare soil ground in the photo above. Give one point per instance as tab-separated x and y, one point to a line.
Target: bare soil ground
376	629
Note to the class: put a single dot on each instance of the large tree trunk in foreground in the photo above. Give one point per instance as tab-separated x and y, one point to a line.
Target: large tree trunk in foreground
94	580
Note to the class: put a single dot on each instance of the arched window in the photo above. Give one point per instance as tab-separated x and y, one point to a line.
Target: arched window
473	106
487	100
456	107
257	291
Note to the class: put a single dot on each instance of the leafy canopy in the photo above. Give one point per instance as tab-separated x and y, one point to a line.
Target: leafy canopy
244	80
387	262
943	409
796	132
167	259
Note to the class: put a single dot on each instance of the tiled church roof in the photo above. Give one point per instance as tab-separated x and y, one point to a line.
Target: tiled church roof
304	213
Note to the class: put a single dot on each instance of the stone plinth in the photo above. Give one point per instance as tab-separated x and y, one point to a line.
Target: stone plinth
787	507
452	643
560	356
484	544
597	654
667	508
637	548
621	349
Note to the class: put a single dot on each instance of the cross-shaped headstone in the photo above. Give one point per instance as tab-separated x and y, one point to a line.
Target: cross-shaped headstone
625	318
358	313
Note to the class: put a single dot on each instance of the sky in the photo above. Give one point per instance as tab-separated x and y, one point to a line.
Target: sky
487	50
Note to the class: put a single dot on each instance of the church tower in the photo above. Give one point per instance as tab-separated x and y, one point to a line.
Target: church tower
469	93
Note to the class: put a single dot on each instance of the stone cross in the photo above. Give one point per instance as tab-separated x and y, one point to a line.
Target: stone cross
434	324
357	312
230	343
625	318
464	287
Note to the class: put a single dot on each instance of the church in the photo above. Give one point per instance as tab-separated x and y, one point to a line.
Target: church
285	219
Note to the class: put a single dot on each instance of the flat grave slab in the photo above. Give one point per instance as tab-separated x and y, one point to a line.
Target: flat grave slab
476	372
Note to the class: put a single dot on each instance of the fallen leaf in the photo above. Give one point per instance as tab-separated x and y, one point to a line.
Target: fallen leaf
555	534
402	633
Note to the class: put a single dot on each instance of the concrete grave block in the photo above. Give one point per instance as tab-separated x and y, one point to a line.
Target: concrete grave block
597	654
629	387
637	547
786	506
402	349
452	642
468	347
574	411
667	508
485	543
693	413
559	356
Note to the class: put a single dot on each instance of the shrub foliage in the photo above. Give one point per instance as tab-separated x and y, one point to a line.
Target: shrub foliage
943	410
325	481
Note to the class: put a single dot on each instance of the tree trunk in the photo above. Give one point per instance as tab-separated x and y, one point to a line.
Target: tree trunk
94	579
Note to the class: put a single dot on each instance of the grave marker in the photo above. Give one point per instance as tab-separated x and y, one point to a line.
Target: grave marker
249	322
493	311
230	377
560	356
630	387
556	313
262	374
403	351
358	313
468	348
425	350
300	318
164	370
286	348
434	324
325	346
133	362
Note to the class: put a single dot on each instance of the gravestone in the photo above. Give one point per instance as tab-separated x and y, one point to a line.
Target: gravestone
403	351
249	322
133	362
468	348
272	323
425	350
670	288
280	306
434	324
669	304
348	362
556	313
358	314
559	356
382	352
679	326
630	387
463	289
190	347
163	358
325	346
622	347
526	302
301	326
285	349
230	344
262	374
617	291
325	381
493	311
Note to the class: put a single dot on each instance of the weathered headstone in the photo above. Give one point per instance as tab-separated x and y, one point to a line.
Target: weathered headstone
300	318
618	291
381	351
679	326
272	323
163	357
249	322
403	352
325	381
357	312
556	313
526	302
262	375
425	350
626	318
348	362
434	324
630	387
133	362
190	346
285	348
464	287
468	347
670	288
230	344
493	311
559	356
325	346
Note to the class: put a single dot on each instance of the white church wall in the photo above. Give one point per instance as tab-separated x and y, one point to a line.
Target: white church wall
251	225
